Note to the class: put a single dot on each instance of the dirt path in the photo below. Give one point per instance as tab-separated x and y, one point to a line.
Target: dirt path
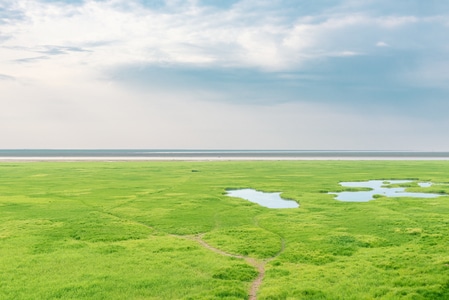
259	264
261	268
257	282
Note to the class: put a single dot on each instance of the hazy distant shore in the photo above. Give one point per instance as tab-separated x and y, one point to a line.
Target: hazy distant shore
212	155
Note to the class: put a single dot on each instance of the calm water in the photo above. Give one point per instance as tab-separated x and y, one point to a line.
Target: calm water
217	154
380	187
270	200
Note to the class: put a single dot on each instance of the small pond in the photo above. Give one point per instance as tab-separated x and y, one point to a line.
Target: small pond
270	200
380	187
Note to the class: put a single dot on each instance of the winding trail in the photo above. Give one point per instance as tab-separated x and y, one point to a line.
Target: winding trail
261	268
259	264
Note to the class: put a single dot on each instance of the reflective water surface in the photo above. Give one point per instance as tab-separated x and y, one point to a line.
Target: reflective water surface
270	200
380	187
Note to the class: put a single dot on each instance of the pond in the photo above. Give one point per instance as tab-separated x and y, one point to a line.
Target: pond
382	188
270	200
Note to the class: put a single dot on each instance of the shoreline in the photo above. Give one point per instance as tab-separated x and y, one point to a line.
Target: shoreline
28	155
217	158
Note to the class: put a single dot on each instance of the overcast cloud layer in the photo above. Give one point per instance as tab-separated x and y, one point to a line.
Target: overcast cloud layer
248	74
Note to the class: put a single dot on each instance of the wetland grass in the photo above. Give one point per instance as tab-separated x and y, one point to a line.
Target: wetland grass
138	230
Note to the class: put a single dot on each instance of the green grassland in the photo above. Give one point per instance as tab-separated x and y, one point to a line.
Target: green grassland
131	230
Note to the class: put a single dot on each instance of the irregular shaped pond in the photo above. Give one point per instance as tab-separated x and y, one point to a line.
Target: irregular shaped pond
380	187
270	200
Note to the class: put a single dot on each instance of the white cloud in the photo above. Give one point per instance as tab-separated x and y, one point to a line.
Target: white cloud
55	91
191	34
54	42
396	21
382	44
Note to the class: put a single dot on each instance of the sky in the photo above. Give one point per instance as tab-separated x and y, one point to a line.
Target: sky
224	74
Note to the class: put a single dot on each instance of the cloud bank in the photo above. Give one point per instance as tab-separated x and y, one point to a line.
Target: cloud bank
337	74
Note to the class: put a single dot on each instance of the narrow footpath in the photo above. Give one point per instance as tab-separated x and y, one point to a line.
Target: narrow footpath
259	264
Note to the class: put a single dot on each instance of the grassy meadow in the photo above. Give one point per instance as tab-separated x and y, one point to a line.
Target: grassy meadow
131	230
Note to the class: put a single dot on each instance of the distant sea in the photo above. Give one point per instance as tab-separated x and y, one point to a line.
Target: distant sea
141	154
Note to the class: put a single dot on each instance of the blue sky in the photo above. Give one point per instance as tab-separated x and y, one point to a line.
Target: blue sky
238	74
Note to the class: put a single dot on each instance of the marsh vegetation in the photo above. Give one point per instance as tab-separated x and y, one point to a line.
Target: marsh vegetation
167	230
